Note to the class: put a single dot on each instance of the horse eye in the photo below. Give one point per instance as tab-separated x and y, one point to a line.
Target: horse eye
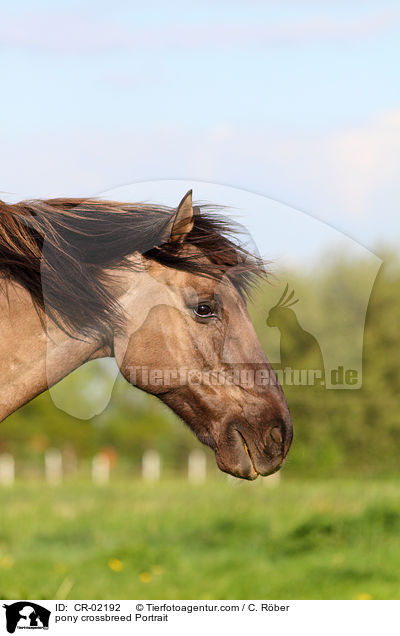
204	311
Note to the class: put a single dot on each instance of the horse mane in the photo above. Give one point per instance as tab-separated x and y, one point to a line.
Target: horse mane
62	251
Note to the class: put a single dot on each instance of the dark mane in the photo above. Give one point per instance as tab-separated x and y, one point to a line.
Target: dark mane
62	251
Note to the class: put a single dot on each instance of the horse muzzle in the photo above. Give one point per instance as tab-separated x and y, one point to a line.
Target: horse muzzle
242	453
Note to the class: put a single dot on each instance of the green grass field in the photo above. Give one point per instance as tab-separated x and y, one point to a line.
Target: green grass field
223	540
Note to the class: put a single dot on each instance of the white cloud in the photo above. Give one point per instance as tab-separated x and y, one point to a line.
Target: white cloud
365	162
348	178
74	33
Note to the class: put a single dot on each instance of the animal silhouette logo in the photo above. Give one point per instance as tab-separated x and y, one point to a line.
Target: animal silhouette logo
26	615
299	349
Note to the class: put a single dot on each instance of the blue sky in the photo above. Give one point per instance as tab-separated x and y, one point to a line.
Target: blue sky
297	101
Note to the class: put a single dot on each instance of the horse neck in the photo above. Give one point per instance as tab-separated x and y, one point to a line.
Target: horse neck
33	358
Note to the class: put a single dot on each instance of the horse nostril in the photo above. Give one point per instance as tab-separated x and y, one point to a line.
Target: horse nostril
276	434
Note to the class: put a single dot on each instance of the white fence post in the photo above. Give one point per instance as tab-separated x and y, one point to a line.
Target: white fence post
197	467
53	466
101	469
7	469
151	465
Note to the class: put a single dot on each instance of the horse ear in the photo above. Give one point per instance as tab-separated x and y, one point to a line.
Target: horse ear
184	219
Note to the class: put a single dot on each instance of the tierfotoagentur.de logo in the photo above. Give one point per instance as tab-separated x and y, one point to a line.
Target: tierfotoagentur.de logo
26	615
